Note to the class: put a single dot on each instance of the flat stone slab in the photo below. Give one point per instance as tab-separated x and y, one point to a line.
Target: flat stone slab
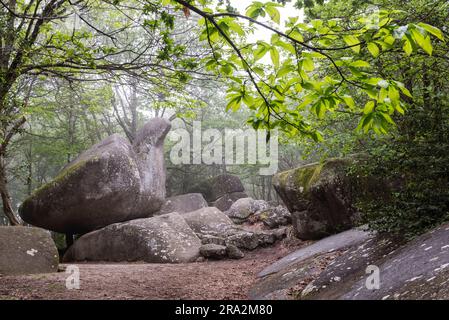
417	270
336	242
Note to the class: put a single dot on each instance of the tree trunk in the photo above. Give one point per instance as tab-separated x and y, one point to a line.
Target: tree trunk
6	199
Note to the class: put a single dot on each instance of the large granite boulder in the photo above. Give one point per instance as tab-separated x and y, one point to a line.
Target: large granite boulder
358	265
183	203
285	278
319	196
417	270
162	239
27	250
221	191
111	182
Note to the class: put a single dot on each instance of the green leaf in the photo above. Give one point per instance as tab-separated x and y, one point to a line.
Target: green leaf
274	54
349	101
373	49
360	64
408	48
422	40
273	13
369	107
352	41
261	50
307	64
295	34
432	30
393	94
234	26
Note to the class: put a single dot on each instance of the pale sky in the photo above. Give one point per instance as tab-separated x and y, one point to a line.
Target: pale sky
288	11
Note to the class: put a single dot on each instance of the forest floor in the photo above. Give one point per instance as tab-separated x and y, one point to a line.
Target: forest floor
225	279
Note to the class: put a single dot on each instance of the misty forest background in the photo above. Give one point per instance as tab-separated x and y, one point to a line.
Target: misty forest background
106	68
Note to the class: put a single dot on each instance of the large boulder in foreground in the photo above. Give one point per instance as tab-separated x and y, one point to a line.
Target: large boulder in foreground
27	250
161	239
417	270
345	266
319	196
111	182
183	203
285	277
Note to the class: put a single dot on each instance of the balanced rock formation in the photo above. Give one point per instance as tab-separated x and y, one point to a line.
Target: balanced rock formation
161	239
183	203
27	250
111	182
221	191
319	197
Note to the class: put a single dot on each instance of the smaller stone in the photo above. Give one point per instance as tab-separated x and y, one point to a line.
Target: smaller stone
206	239
234	252
275	217
200	259
244	240
225	202
266	238
213	251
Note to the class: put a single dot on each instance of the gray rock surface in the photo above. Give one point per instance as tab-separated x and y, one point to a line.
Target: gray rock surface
111	182
243	208
351	266
214	227
417	270
224	202
27	250
233	252
339	241
208	221
319	197
183	203
162	239
274	217
213	251
218	186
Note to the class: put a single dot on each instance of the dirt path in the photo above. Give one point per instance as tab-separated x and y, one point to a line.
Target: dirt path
228	279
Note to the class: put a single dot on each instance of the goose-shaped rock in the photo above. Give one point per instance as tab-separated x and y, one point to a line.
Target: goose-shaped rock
111	182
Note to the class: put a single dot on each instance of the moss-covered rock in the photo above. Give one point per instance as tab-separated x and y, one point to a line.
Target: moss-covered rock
319	196
111	182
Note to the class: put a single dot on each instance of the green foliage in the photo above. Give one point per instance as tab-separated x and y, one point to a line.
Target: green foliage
288	92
